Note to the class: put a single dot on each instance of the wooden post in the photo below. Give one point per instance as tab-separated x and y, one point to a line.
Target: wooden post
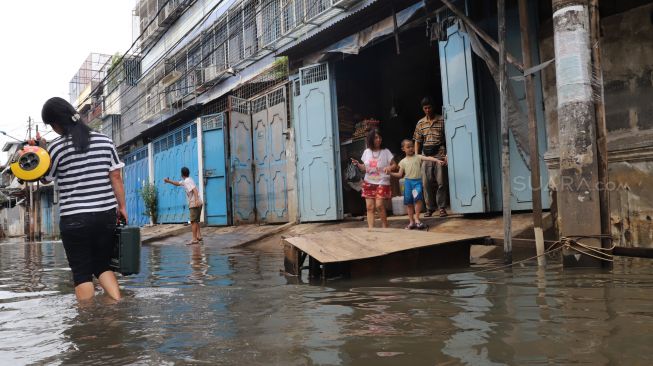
395	31
505	134
291	261
601	130
536	185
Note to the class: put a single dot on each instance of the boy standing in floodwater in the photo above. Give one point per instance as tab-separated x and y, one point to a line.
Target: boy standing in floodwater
410	168
194	202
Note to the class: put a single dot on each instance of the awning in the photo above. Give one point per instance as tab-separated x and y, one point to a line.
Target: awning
352	44
358	17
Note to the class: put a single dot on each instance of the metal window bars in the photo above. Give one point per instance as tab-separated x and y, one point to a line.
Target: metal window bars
249	30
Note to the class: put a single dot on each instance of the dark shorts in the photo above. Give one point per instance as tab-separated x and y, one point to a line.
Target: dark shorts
88	239
412	191
195	213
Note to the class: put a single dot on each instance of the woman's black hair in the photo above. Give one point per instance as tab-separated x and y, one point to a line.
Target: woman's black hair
369	140
57	111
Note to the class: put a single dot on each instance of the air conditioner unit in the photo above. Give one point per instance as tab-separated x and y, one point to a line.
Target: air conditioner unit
170	78
216	73
210	73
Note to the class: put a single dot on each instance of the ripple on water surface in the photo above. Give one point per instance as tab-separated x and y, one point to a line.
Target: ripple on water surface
232	306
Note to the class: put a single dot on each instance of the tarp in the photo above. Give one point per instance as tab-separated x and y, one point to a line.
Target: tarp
517	119
352	44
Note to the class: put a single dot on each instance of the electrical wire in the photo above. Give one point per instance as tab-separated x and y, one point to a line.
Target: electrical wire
138	99
101	83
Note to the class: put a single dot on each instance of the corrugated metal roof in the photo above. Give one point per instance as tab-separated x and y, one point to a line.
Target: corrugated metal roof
362	15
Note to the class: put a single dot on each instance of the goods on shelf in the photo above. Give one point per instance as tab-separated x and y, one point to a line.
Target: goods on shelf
363	127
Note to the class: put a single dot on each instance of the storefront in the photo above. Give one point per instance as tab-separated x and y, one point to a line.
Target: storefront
377	76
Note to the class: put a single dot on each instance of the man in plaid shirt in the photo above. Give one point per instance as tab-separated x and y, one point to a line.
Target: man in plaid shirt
429	136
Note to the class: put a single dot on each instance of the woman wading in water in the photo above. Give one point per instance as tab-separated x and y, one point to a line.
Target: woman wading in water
86	167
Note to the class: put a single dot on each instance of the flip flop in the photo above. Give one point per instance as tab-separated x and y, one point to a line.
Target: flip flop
421	226
192	242
443	212
410	226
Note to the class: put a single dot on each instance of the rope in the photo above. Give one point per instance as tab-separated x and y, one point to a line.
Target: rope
571	243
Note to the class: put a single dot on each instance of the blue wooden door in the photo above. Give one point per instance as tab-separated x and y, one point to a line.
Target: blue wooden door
319	198
48	228
242	182
269	125
172	152
461	123
215	177
520	174
135	176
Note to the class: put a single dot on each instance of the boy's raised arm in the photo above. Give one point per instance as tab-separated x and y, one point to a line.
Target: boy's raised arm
430	158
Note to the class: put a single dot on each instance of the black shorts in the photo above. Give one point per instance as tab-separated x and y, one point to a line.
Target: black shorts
88	239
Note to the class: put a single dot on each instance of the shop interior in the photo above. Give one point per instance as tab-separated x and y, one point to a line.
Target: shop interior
379	88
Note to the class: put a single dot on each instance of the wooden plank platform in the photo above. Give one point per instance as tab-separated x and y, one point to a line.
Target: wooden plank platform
357	252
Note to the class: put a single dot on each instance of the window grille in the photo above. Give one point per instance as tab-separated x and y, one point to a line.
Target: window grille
314	74
276	97
271	21
296	89
250	39
213	122
258	104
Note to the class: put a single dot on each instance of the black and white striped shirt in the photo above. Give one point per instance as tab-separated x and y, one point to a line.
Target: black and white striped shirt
83	177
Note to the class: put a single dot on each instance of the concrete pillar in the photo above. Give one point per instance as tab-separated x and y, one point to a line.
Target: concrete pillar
578	195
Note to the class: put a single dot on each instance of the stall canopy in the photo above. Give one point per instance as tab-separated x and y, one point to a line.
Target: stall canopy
352	44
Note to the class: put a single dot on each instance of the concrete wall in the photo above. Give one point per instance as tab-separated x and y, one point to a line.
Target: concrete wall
13	221
627	56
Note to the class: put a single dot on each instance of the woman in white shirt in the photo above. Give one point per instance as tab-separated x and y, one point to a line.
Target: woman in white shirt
377	164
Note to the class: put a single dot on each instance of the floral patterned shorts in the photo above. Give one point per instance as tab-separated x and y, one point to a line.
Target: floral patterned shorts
376	191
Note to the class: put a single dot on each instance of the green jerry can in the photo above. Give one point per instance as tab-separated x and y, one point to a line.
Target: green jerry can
126	258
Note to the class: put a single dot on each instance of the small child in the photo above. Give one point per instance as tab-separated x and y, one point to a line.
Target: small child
411	167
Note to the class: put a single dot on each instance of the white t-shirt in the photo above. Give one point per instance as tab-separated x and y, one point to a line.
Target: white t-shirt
189	185
375	162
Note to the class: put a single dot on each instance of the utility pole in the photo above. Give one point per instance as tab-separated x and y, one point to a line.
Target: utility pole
505	135
536	184
29	187
37	201
578	193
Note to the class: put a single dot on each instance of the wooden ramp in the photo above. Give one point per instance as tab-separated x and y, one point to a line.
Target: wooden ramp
359	252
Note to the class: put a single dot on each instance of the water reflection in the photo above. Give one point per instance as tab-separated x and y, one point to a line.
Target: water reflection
469	343
201	304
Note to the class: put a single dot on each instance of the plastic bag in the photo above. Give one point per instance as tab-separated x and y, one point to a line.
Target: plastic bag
353	173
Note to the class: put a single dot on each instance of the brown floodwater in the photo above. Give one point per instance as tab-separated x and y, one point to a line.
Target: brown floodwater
209	305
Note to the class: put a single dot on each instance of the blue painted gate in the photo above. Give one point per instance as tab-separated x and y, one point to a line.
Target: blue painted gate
215	177
461	126
242	175
319	190
269	124
172	152
135	175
